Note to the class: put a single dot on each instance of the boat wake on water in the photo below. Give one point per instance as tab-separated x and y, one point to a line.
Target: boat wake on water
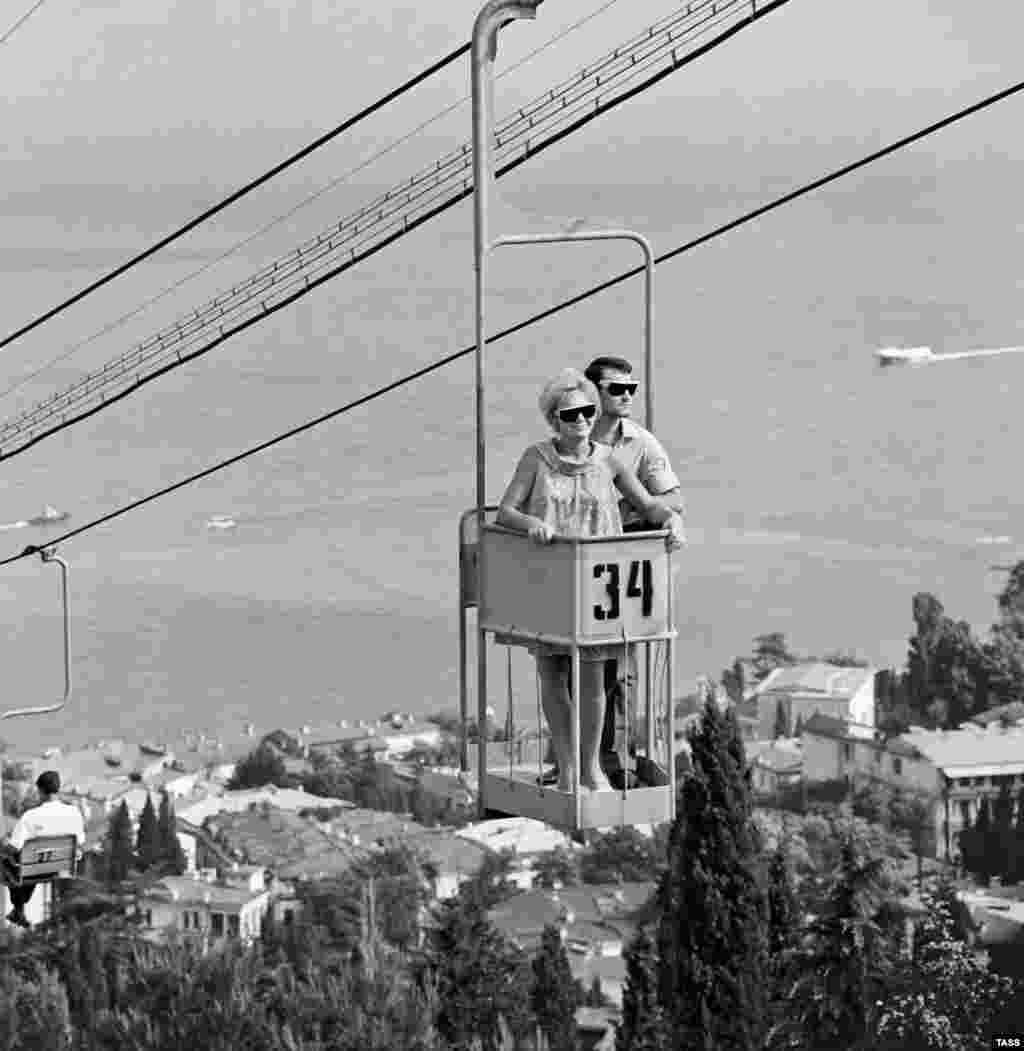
48	516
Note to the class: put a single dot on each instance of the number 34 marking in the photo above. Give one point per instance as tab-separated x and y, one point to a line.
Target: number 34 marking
640	584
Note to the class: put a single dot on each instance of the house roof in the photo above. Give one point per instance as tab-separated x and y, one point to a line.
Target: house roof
236	802
522	835
1012	712
189	890
816	677
819	725
452	854
282	841
779	758
972	750
597	914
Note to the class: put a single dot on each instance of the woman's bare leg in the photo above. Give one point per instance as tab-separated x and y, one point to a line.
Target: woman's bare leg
554	698
592	701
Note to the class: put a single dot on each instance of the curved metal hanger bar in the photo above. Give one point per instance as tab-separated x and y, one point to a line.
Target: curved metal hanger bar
49	554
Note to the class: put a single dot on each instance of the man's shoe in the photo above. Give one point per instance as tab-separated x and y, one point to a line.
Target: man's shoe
16	917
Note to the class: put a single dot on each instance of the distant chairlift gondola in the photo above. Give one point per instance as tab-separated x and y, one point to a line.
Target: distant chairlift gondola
577	593
44	858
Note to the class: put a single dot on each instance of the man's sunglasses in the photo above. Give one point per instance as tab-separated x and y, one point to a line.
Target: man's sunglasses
572	415
616	390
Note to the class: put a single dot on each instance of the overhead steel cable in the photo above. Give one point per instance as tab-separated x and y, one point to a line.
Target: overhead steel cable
12	29
277	220
434	366
384	100
384	220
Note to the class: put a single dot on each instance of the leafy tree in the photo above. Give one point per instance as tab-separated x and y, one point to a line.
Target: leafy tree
945	675
118	853
845	963
624	854
713	930
556	866
642	1026
425	807
553	994
943	998
147	842
783	907
771	652
172	856
263	766
490	885
798	727
35	1015
734	682
480	980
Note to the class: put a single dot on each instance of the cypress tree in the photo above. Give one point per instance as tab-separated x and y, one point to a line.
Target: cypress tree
119	853
553	995
1017	860
642	1027
1001	835
781	721
713	930
147	844
976	843
171	855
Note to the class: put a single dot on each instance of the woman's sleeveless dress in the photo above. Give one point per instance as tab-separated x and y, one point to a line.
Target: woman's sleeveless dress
577	500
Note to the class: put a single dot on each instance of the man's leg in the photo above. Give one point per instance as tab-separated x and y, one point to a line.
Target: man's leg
613	704
19	899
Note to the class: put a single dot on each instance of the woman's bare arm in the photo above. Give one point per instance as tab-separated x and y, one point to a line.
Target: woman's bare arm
516	496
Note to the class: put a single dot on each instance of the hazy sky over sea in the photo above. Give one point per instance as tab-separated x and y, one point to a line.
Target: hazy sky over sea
162	92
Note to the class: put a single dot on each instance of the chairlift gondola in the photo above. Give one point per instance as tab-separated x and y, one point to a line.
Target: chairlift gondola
44	859
576	593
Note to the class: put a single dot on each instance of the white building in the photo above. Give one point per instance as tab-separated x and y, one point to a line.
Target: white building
953	769
201	905
800	690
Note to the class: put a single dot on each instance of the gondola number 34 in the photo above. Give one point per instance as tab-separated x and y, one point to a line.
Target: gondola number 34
639	584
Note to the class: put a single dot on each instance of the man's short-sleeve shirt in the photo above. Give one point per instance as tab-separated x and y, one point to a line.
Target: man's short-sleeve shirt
639	450
53	818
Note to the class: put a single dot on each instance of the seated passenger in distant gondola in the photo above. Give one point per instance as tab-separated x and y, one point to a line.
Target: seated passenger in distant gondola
570	485
50	818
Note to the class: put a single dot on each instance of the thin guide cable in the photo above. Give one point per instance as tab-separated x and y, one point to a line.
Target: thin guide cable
402	381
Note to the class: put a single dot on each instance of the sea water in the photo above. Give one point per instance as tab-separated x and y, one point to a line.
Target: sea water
821	492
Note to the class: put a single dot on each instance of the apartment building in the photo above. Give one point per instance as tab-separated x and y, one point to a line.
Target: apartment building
953	769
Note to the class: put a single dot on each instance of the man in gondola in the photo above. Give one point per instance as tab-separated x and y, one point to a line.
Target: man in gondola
50	818
644	454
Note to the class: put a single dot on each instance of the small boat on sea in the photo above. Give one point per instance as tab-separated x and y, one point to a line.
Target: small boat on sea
49	516
221	522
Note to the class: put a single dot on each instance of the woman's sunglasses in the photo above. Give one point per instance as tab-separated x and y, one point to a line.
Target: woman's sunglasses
616	390
572	415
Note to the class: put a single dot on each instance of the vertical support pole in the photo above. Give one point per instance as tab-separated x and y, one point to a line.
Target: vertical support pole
463	693
489	21
649	344
670	721
651	710
574	720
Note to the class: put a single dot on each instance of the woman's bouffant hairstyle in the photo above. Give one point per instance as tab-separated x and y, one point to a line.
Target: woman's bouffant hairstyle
564	383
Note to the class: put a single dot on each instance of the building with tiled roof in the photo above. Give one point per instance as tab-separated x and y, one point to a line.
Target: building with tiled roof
204	906
776	764
800	690
952	769
279	840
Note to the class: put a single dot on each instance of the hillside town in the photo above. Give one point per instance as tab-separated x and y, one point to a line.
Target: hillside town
811	732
